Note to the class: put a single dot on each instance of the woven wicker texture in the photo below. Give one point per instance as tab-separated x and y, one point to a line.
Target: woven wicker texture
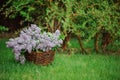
42	58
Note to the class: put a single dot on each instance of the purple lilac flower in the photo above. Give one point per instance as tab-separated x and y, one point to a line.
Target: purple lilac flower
29	48
10	44
32	38
17	56
33	26
57	32
22	59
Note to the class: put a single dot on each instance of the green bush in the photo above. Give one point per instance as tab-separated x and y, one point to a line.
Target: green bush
3	28
84	18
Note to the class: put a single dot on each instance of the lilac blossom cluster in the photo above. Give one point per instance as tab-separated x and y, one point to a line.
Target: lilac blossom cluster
32	39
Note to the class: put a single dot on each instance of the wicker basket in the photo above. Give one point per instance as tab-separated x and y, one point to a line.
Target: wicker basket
42	58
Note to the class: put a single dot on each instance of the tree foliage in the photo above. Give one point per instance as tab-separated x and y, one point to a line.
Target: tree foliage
84	18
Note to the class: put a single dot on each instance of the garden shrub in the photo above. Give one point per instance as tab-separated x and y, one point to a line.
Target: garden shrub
85	18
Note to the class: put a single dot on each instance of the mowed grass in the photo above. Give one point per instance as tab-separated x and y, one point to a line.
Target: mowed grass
64	67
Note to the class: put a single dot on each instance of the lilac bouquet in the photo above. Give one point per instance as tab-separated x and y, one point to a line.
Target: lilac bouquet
33	39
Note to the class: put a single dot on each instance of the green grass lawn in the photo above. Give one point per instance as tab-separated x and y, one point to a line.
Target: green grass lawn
64	67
